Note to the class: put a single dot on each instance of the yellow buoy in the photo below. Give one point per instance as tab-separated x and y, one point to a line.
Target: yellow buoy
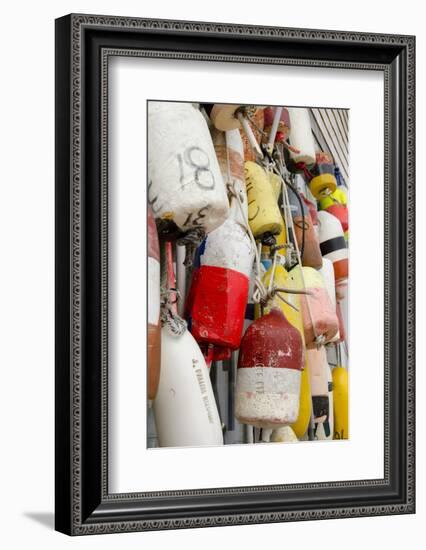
276	184
337	197
263	213
282	278
323	185
341	413
301	425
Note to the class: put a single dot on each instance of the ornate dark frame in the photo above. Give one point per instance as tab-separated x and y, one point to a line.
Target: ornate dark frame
84	44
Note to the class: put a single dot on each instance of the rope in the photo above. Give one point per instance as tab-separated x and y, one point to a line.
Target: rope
192	239
168	317
319	338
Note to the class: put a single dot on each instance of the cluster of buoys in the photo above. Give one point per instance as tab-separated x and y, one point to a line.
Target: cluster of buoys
246	212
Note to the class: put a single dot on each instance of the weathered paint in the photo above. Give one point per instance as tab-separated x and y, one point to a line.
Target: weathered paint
263	213
284	124
269	370
185	185
341	409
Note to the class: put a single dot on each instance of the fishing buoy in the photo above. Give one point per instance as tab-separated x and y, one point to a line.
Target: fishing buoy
318	313
186	190
304	232
342	328
341	413
217	299
284	124
327	272
285	434
224	116
264	216
301	138
323	182
185	409
301	425
256	122
318	378
154	328
230	155
270	361
333	245
293	312
325	430
336	204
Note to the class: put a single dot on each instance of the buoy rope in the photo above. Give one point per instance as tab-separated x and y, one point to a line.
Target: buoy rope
261	295
169	295
191	240
319	338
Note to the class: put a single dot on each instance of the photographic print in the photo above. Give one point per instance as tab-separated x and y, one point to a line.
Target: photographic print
248	274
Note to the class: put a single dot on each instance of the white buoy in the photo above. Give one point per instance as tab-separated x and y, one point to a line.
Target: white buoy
185	409
301	136
185	185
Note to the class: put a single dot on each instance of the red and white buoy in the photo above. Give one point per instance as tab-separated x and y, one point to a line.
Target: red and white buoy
270	362
217	299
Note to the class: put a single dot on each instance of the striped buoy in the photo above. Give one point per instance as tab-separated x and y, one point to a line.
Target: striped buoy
185	408
333	245
186	190
154	327
264	216
269	371
301	138
318	378
318	312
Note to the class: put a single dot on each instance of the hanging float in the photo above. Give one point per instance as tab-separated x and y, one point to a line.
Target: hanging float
186	191
270	362
333	245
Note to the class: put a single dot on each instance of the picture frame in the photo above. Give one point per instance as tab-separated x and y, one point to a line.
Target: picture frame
84	44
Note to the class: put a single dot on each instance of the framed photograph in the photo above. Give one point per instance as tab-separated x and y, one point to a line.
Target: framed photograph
234	274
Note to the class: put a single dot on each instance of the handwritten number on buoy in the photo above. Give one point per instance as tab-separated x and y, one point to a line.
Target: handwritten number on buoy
197	159
200	215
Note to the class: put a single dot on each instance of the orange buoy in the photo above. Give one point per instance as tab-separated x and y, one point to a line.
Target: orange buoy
154	328
305	233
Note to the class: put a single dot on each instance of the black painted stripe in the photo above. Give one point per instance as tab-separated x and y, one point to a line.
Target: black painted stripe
332	245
